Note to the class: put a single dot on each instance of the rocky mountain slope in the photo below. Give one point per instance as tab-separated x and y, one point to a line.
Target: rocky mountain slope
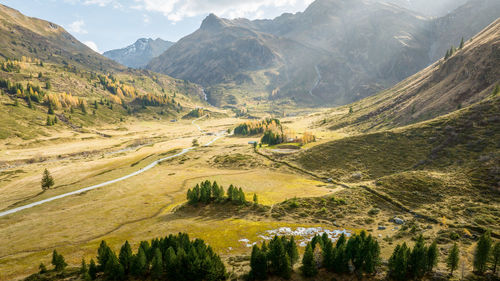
24	36
140	53
335	52
467	77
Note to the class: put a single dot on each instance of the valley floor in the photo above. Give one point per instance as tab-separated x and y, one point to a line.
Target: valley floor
147	205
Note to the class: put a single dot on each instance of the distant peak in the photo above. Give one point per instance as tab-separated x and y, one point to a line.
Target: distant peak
212	22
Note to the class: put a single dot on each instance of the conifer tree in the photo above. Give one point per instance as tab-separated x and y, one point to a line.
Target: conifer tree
462	44
157	265
230	192
103	255
51	109
398	262
258	264
292	251
495	257
139	263
125	257
308	265
43	268
47	180
255	199
83	268
113	269
432	256
170	262
93	269
453	258
58	261
418	259
482	252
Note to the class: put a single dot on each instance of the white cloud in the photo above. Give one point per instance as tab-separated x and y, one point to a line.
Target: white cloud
92	45
77	27
146	19
177	10
101	3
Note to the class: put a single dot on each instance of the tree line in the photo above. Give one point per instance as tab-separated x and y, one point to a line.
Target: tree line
174	257
207	192
256	127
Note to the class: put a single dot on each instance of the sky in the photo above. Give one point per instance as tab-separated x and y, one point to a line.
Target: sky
110	24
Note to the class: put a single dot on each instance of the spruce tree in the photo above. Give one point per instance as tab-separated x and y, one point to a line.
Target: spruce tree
157	265
170	262
482	252
58	261
418	259
398	262
453	258
495	257
258	264
308	267
139	263
51	109
432	257
93	269
47	180
43	268
103	255
83	268
462	44
125	257
113	269
255	199
292	251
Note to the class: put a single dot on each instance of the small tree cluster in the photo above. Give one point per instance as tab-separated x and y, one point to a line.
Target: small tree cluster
57	261
276	259
486	253
51	121
450	52
361	251
174	257
256	127
407	263
207	192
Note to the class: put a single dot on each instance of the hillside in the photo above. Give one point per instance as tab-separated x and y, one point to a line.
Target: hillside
140	53
335	52
31	37
44	69
467	77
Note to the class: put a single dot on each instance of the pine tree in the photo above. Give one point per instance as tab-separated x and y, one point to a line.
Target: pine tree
447	56
398	262
83	268
255	199
453	258
461	44
58	261
292	251
157	265
482	252
30	104
432	256
125	257
43	268
230	192
47	180
258	264
51	109
418	259
495	257
328	255
103	255
139	262
308	265
92	269
49	121
113	269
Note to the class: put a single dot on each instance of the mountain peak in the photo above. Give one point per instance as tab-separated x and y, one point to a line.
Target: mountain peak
213	22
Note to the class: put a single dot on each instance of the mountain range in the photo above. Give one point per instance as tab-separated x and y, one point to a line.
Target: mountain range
335	52
140	53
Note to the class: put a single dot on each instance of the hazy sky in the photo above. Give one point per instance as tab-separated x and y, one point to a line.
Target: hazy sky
111	24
